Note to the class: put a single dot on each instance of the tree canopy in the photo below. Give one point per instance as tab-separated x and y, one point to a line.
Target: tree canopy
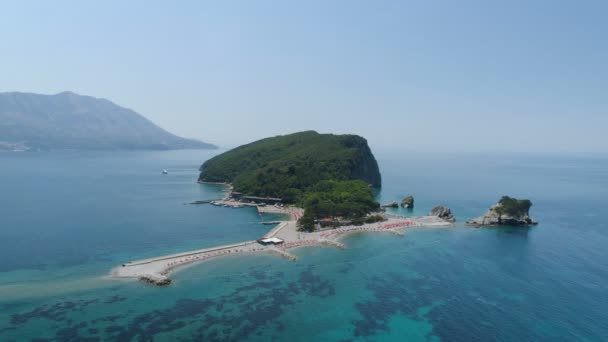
328	175
288	166
514	207
329	199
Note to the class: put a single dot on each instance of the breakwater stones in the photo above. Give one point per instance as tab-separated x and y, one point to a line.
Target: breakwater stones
157	280
284	254
331	243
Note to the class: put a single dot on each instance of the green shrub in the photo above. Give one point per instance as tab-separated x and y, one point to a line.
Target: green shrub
514	207
374	219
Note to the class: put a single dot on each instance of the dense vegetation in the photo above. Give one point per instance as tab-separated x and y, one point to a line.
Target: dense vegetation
288	166
349	200
328	175
513	207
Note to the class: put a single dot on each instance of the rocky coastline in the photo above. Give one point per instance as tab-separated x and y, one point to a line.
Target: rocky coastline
443	213
507	212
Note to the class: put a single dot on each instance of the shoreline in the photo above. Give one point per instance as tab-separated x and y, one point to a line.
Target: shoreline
155	270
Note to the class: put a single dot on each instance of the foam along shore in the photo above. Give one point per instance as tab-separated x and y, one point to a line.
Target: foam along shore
155	270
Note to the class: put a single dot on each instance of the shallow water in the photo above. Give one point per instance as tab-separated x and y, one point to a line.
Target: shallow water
69	217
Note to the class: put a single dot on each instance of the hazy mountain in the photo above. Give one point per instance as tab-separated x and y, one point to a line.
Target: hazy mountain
71	121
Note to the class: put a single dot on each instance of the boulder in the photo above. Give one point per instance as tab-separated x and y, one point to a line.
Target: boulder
507	212
158	280
443	213
408	202
390	205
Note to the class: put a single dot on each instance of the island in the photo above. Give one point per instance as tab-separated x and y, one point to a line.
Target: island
284	166
330	176
507	212
321	183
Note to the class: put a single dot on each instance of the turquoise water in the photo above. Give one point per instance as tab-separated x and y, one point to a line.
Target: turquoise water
67	218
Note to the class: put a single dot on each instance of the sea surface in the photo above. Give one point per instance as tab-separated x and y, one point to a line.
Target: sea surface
68	218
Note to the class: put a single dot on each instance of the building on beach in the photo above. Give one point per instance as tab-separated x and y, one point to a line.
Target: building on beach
270	241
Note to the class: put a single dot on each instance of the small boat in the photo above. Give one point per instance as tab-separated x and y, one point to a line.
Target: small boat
165	171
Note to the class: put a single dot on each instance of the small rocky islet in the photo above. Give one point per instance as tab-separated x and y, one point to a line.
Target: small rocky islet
442	212
393	204
507	212
408	202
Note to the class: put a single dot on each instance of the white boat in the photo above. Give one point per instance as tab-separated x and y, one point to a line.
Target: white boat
165	171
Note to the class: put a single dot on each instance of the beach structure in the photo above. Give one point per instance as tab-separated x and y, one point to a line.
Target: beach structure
270	241
278	240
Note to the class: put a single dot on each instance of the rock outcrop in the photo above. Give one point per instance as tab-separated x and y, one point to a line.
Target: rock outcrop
408	202
507	212
443	213
390	205
158	280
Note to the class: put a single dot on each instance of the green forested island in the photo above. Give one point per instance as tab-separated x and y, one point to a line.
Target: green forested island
329	175
286	166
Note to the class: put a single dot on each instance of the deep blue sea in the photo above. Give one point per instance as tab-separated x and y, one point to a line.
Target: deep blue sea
67	218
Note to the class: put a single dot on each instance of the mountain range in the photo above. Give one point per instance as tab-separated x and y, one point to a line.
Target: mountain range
70	121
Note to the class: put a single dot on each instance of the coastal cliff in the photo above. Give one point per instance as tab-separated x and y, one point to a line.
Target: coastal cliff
285	166
507	212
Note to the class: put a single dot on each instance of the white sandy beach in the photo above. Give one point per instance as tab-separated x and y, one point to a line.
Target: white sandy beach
156	269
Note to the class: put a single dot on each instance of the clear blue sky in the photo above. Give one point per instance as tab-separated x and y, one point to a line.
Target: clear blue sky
453	75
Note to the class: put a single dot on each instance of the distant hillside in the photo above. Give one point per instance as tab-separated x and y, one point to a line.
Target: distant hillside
70	121
287	166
